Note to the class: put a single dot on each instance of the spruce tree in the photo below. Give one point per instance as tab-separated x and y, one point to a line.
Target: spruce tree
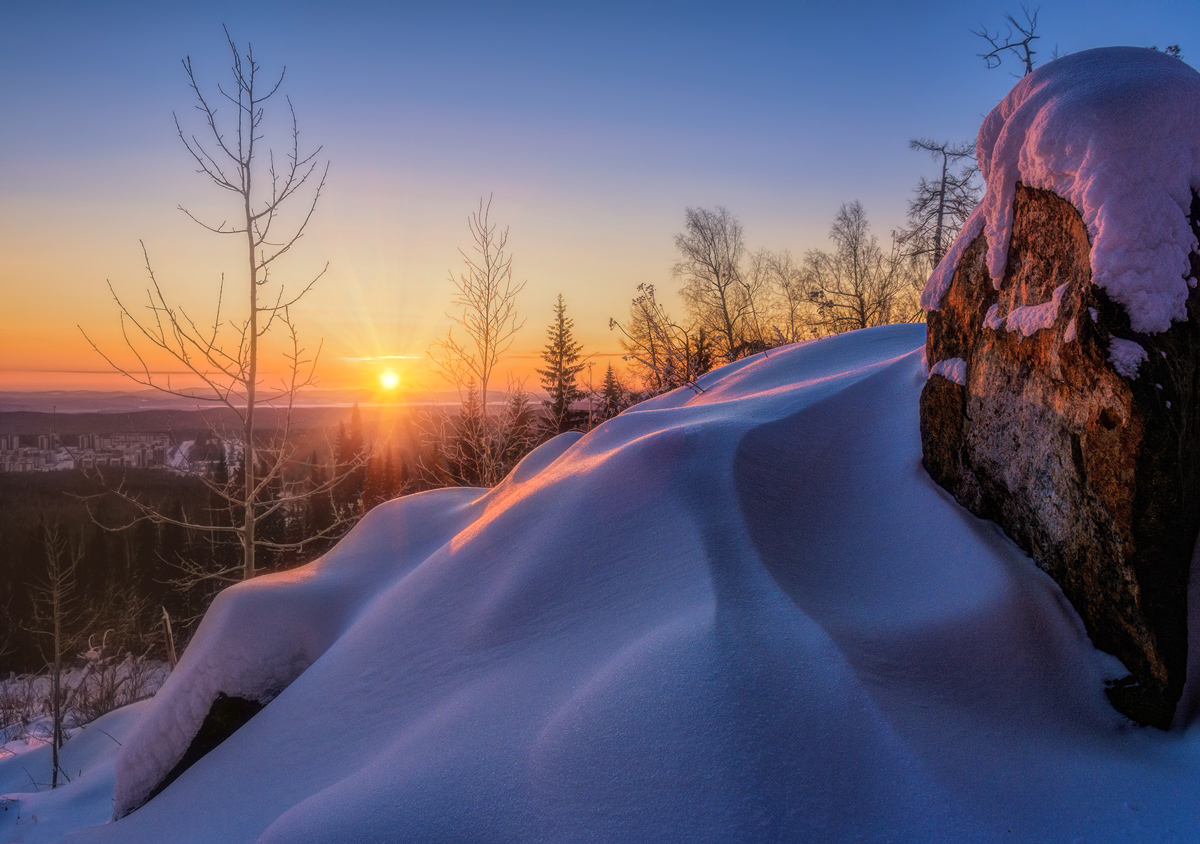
562	357
613	396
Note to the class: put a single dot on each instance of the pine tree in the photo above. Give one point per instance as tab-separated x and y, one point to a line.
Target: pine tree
613	396
376	488
558	378
321	514
351	457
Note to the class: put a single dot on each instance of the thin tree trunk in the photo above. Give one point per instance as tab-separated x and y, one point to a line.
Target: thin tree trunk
56	689
251	378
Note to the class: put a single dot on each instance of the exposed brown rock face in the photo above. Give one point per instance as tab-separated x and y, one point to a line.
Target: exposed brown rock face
1093	470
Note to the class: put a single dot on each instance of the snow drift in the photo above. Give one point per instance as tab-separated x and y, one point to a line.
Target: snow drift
742	615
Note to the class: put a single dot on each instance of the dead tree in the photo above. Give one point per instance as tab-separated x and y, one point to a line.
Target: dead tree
1017	39
274	198
940	206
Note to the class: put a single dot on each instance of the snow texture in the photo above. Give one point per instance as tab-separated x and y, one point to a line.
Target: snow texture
952	369
1116	131
1126	356
992	318
741	615
30	812
1069	331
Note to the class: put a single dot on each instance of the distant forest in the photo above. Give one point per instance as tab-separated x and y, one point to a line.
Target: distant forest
124	572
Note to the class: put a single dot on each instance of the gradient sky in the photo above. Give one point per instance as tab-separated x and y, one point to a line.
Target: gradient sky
593	125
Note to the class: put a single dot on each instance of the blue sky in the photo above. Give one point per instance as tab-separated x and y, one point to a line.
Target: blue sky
594	126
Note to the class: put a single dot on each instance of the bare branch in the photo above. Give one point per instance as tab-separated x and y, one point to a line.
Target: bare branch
225	357
1017	39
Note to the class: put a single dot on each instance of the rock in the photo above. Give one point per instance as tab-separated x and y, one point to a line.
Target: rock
1063	400
226	715
1077	435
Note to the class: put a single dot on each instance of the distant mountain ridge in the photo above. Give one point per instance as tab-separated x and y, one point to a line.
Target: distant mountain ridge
100	401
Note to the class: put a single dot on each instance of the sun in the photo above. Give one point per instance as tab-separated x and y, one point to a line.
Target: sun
389	380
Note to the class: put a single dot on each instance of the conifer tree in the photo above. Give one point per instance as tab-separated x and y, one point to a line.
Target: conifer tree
613	396
321	515
351	456
563	364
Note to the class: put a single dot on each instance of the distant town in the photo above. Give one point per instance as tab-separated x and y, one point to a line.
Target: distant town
52	452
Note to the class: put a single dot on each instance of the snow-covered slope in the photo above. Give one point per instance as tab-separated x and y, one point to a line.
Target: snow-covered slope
30	811
744	615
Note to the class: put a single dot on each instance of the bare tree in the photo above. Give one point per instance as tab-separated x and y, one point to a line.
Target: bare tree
485	300
1017	39
58	625
662	352
718	295
274	197
857	285
939	207
479	448
790	310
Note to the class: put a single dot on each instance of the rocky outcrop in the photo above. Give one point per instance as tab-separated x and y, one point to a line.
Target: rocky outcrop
1047	413
226	715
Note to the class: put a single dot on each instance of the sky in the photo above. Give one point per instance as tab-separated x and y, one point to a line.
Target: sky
592	126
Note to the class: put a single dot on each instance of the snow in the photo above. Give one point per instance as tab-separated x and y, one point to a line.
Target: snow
1027	320
177	456
992	318
943	273
1126	356
740	615
1069	333
32	813
952	369
1116	131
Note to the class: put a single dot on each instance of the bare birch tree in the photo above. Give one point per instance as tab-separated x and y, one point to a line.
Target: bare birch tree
479	448
274	198
719	296
58	625
858	284
485	303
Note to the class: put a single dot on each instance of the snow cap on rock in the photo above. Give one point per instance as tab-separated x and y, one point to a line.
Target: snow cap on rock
1115	131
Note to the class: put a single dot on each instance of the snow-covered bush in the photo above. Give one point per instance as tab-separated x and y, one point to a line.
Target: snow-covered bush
100	681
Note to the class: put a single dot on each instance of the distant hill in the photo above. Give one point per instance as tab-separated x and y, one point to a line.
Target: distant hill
98	401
